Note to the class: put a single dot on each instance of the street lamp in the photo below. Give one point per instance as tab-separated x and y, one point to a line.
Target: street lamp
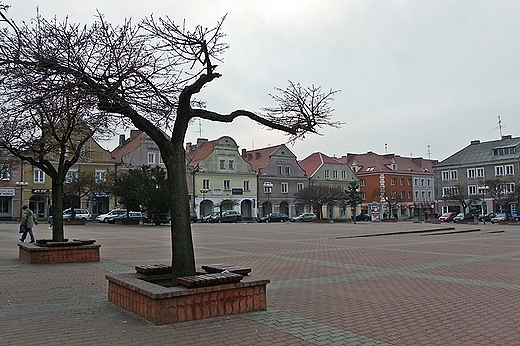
21	184
204	192
268	186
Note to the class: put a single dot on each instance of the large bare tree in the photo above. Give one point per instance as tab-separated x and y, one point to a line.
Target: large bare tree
151	74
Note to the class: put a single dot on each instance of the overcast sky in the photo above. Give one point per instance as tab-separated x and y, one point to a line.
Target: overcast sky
413	75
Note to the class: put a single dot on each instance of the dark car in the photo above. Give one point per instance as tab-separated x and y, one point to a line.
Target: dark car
363	217
134	216
463	217
227	216
274	217
193	216
447	217
304	217
487	217
207	218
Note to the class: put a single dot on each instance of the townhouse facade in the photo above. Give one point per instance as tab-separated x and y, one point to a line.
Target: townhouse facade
393	186
471	173
220	179
324	170
26	184
279	178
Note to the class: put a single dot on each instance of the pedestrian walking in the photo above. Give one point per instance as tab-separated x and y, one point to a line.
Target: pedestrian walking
28	221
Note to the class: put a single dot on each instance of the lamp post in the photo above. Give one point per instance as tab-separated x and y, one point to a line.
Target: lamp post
21	184
268	186
204	192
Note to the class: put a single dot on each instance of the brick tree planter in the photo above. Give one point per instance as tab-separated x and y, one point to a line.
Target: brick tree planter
142	295
34	253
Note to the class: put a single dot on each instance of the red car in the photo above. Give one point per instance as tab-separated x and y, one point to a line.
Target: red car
447	217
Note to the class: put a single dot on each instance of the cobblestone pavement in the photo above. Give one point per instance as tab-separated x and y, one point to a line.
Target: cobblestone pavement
331	284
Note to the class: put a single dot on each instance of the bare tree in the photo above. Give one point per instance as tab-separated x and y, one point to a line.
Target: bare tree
151	73
319	195
503	193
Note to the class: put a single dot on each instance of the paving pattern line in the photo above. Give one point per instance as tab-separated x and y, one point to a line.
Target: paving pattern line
310	331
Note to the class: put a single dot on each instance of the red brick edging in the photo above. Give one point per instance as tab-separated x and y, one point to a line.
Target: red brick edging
166	305
32	253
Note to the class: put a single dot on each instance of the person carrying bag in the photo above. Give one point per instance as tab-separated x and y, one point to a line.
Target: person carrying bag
27	223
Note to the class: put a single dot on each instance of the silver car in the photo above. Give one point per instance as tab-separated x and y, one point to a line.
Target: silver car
499	217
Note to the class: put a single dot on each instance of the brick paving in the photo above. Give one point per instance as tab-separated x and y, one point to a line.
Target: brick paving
331	284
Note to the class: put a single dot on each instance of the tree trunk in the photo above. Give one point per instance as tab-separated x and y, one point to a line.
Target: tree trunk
183	256
57	209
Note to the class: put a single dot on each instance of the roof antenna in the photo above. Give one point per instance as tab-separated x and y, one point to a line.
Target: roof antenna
500	125
386	148
200	129
429	151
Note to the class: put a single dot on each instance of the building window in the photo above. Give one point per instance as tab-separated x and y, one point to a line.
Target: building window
335	174
287	170
39	176
482	190
454	175
428	182
409	182
227	184
446	191
416	182
472	174
267	187
504	151
100	176
279	170
5	172
423	195
151	158
247	185
363	195
499	171
422	181
429	195
285	187
71	176
362	182
393	181
205	184
160	159
393	195
508	187
416	195
480	172
222	164
299	187
402	194
231	164
409	194
510	169
472	189
401	181
327	174
445	175
343	174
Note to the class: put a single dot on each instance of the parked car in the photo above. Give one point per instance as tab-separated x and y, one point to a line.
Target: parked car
193	216
132	215
499	217
206	218
304	217
447	217
274	217
463	217
110	215
363	217
79	214
227	216
487	217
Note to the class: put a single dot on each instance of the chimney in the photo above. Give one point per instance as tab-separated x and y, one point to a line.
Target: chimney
257	155
188	148
506	137
121	140
201	141
476	141
244	153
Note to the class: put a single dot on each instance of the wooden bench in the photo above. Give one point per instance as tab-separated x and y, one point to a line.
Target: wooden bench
153	269
219	268
204	280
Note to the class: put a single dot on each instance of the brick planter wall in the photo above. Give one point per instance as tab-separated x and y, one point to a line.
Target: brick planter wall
32	253
166	305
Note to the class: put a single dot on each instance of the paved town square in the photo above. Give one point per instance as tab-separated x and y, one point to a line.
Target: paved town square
331	284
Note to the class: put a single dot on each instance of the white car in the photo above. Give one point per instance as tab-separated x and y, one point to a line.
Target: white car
114	213
79	214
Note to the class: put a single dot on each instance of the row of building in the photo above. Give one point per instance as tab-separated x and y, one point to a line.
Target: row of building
257	182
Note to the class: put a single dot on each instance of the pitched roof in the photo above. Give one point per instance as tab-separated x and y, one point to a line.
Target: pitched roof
259	158
200	153
371	162
478	152
128	146
314	161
